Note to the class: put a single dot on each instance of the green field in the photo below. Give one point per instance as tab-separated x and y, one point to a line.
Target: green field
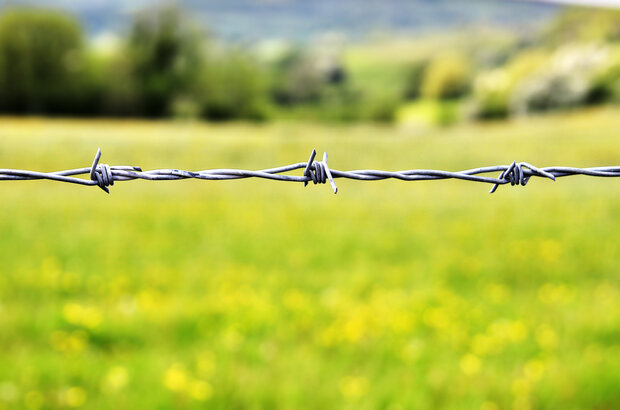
258	294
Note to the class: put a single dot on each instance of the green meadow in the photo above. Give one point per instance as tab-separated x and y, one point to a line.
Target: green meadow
257	294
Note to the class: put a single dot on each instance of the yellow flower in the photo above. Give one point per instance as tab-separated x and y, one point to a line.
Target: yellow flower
75	396
175	378
354	329
517	331
470	364
149	299
86	316
533	370
116	378
77	341
72	312
550	250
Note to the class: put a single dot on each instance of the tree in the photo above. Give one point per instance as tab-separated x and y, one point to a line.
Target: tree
41	62
232	87
165	59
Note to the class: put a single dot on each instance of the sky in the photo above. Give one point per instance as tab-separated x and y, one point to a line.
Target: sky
303	20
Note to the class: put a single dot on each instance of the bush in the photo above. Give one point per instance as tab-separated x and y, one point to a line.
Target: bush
42	64
296	79
568	81
232	86
549	91
491	95
381	110
606	81
447	77
414	78
498	92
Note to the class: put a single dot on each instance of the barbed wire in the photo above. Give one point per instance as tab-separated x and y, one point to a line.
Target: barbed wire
318	172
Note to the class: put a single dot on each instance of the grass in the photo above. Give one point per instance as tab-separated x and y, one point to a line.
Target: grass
259	294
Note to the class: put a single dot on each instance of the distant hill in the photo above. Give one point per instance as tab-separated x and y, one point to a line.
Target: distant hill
301	20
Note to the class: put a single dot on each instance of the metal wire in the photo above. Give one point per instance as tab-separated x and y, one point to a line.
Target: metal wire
318	172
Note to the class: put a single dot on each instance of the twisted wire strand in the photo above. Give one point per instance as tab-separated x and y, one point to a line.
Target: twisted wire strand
317	172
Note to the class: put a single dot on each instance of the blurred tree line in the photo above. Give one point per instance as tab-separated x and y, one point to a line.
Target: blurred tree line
42	64
574	62
164	67
167	67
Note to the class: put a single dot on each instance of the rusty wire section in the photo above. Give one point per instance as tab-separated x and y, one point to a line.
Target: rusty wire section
318	172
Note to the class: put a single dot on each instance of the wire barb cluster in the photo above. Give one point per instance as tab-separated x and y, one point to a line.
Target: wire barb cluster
318	172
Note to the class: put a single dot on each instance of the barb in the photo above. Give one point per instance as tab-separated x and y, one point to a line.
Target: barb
318	172
101	174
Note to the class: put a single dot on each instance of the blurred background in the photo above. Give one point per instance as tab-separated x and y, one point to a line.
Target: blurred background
422	63
256	294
